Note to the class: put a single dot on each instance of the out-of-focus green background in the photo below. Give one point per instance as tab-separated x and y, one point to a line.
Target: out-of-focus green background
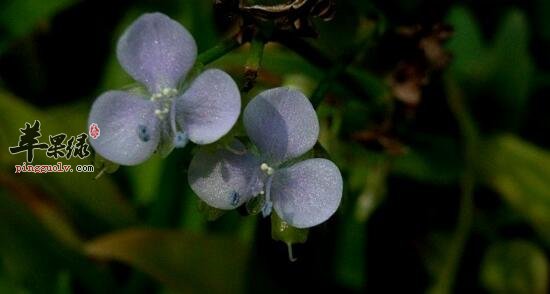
442	139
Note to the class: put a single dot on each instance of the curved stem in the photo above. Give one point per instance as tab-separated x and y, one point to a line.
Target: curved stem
446	277
291	257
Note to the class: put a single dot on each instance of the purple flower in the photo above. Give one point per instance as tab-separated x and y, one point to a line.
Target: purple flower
158	52
282	125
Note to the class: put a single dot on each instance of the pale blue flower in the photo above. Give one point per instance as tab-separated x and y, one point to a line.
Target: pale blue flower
283	125
159	52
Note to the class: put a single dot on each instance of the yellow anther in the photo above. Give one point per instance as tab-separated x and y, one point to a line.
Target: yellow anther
266	168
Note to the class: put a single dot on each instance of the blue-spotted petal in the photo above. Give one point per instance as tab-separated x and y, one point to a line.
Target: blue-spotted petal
307	193
129	128
225	178
157	51
282	124
209	108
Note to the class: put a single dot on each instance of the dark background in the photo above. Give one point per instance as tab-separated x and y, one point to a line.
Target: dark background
439	125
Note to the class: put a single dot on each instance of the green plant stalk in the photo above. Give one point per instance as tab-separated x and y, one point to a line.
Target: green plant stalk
253	63
218	51
444	281
338	69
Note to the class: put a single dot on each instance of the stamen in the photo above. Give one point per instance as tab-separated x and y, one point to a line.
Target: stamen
156	96
166	92
266	168
161	113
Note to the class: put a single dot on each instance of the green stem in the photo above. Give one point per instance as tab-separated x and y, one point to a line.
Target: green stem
253	63
446	277
339	68
218	51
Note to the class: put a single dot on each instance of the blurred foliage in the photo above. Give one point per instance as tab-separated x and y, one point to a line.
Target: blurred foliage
448	194
525	186
515	267
173	256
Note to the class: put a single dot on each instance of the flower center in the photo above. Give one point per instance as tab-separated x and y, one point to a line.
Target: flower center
268	170
268	205
165	98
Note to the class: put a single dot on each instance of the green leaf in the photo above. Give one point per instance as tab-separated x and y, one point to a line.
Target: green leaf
184	261
515	267
7	286
194	14
543	18
209	212
254	206
98	201
32	257
471	61
433	159
514	69
145	179
504	68
64	283
366	189
520	172
20	17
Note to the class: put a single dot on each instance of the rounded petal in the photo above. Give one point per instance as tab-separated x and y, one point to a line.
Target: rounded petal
209	108
157	51
282	124
224	178
307	193
129	128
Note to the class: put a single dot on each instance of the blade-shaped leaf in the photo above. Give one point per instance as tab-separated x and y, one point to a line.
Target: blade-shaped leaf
184	261
90	200
18	18
515	267
520	172
514	69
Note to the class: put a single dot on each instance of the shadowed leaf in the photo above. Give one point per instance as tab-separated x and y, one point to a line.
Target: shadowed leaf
186	262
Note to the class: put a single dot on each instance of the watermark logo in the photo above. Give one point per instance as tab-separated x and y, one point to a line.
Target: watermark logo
94	131
58	146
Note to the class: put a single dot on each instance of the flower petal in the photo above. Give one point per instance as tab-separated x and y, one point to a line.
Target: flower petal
307	193
282	124
129	128
225	178
209	108
157	51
